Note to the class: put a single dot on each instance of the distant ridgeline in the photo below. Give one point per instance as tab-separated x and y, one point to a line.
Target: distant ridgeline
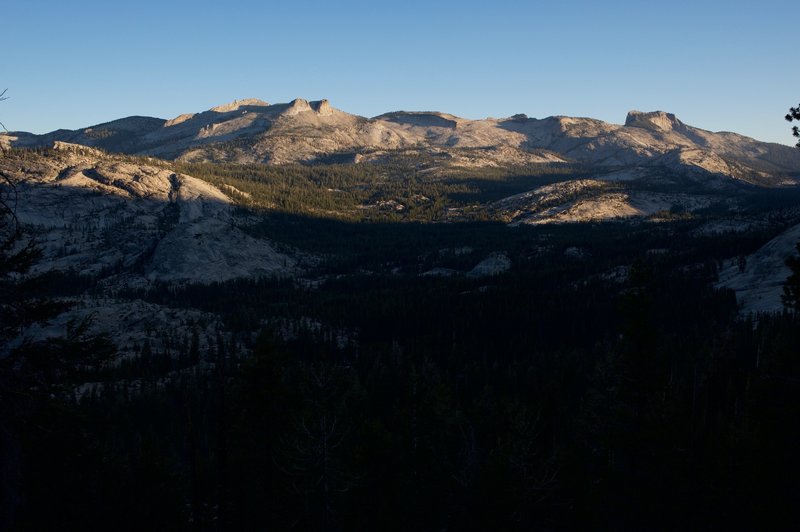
252	131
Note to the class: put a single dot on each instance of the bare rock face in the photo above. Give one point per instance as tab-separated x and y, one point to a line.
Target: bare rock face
494	264
425	119
323	108
76	148
93	212
700	159
655	121
235	105
297	106
179	119
758	280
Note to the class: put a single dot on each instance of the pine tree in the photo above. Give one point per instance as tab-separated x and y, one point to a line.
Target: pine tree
794	114
791	289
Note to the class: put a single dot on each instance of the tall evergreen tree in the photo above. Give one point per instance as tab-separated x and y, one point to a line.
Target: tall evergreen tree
791	289
794	114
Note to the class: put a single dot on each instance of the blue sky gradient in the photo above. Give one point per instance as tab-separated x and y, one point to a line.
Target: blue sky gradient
717	65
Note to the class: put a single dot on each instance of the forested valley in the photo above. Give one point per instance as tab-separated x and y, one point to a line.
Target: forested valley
602	381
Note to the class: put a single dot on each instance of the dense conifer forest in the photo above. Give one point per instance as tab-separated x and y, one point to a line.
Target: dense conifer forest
366	396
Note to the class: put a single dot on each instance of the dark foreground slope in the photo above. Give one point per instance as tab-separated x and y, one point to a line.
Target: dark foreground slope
588	375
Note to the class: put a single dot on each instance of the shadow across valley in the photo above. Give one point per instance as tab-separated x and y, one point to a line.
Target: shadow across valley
588	376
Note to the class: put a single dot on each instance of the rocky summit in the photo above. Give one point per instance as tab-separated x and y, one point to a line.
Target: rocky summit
311	132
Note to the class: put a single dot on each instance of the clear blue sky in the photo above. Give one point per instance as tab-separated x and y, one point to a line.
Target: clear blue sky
729	65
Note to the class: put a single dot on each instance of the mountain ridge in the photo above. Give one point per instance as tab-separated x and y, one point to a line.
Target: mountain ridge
302	131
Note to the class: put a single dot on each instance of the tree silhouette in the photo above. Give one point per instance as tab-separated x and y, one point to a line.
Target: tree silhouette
3	97
15	257
791	289
794	114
